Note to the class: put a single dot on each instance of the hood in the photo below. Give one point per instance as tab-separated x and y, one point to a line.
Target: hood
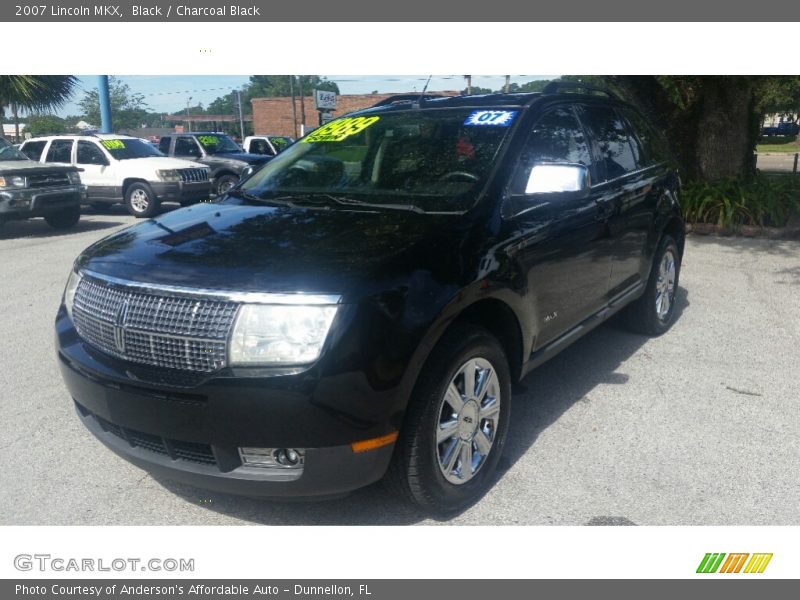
160	162
12	167
250	159
276	248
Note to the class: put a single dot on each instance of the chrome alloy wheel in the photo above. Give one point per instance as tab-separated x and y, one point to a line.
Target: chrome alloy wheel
139	200
665	285
468	418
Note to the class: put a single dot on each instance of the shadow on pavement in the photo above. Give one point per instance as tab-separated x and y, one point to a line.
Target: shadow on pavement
539	401
37	228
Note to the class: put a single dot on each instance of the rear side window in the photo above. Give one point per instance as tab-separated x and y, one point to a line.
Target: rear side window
60	151
617	155
557	137
163	144
654	148
33	150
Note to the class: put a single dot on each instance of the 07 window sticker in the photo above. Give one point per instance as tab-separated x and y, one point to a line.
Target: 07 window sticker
495	118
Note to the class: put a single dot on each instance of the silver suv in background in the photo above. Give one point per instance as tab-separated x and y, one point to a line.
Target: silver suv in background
29	189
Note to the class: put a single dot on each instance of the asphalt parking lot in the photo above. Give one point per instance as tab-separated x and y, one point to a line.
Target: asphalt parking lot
698	427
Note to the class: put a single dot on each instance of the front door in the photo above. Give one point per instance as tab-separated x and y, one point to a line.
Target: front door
98	173
563	245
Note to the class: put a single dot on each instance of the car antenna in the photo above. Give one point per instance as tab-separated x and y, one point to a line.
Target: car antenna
424	89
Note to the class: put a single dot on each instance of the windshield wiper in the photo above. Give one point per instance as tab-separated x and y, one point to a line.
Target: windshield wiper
344	200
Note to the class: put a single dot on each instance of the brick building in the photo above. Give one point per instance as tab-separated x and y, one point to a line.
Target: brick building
274	115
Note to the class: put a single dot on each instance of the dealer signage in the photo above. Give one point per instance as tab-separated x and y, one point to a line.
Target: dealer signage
324	100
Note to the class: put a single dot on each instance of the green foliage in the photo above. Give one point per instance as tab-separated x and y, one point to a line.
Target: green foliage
764	200
128	109
36	92
37	125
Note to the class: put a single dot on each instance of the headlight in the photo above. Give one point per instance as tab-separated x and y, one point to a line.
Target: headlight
267	334
13	181
168	175
69	291
74	177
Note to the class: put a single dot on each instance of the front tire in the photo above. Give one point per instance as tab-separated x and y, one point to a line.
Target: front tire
653	313
141	201
456	423
64	218
225	183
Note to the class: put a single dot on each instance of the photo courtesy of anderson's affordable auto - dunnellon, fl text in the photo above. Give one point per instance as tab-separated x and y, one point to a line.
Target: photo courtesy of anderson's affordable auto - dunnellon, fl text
399	300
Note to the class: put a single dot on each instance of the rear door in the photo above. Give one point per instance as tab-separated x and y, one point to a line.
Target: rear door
628	195
564	247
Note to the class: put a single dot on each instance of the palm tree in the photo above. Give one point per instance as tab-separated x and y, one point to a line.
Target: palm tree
35	92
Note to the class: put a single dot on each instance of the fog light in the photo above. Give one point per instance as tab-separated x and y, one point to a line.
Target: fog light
274	458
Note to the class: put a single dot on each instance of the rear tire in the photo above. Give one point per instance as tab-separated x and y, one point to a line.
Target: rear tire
141	201
64	218
445	457
653	313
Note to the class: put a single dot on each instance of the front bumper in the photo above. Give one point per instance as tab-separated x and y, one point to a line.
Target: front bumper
25	203
193	433
181	191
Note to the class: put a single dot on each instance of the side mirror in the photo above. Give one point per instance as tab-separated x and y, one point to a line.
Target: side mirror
247	172
572	180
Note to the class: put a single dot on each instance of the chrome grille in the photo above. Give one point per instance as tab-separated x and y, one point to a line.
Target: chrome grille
193	175
48	180
164	331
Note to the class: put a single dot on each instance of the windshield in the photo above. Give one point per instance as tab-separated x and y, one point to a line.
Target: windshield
8	152
431	160
215	143
126	148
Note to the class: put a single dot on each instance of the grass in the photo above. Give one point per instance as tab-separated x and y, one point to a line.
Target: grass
779	143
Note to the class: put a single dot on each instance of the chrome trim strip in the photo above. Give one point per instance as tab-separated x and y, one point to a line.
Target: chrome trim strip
210	294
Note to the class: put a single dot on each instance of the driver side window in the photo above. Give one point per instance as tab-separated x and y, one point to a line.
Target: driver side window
186	146
90	154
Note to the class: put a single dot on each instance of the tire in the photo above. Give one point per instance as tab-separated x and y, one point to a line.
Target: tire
141	201
64	218
648	315
225	183
430	474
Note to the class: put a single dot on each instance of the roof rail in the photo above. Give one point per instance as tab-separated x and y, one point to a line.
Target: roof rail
406	98
555	87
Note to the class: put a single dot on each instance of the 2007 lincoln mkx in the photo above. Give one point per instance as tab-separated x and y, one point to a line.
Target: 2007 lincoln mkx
360	306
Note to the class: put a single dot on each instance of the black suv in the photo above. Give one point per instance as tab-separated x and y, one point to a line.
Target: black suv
216	150
363	304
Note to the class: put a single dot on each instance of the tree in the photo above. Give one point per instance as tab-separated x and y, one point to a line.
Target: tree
44	124
128	109
34	92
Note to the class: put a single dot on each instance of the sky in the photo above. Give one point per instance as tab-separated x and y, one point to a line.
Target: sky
169	93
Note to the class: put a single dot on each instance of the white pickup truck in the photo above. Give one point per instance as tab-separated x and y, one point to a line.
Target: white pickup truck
268	145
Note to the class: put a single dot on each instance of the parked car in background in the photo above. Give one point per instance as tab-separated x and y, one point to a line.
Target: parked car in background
784	128
215	150
29	189
362	305
121	168
268	145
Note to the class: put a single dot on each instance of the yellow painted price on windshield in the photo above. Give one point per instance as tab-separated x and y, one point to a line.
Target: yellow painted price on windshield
339	130
113	144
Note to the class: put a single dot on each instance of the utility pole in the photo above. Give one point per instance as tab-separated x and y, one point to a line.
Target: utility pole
241	116
188	122
105	104
302	103
294	108
469	84
508	84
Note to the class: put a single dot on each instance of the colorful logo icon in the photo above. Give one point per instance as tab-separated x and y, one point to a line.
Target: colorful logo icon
734	563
